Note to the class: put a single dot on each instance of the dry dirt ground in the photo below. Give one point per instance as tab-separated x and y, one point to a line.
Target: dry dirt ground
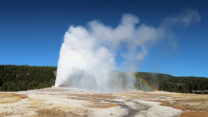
72	102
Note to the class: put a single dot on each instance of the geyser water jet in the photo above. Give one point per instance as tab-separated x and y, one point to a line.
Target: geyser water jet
90	55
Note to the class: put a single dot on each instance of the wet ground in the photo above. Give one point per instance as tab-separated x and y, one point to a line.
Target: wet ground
73	102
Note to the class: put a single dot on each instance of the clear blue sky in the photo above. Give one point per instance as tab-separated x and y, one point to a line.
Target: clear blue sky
31	31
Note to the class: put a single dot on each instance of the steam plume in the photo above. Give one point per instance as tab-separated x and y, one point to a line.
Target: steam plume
89	54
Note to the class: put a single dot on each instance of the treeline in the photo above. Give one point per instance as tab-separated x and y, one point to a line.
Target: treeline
165	82
16	78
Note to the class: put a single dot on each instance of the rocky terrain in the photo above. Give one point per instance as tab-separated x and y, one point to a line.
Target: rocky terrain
73	102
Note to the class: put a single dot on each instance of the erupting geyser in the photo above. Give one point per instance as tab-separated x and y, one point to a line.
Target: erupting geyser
88	54
91	55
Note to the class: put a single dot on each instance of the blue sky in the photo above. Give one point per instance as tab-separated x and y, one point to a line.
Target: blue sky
31	31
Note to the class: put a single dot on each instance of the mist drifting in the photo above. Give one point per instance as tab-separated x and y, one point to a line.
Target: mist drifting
91	54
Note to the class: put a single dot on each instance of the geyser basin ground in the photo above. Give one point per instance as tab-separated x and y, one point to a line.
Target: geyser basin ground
73	102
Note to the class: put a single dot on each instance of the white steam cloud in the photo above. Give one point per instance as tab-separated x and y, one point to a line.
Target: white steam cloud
90	54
